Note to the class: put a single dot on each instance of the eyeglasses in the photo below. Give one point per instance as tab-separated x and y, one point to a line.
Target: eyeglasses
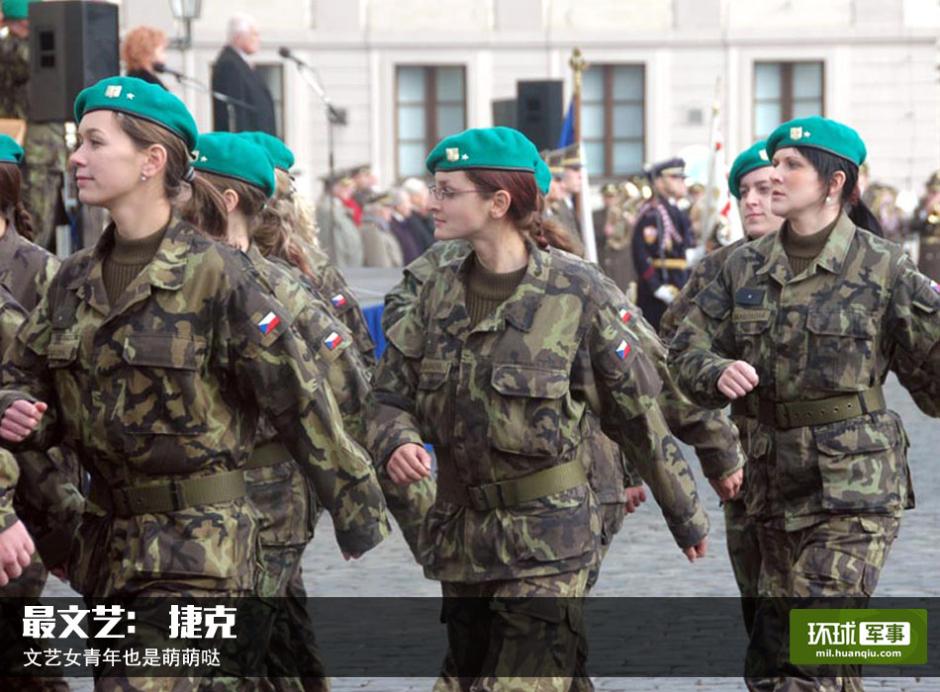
441	194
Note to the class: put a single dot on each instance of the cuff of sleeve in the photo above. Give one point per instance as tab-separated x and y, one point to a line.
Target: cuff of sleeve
7	513
395	441
711	397
631	477
720	464
361	539
691	531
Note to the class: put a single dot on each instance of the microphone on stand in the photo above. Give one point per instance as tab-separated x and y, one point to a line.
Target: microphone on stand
335	115
287	54
163	69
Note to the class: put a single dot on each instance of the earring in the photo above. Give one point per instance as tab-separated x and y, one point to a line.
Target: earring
143	178
828	199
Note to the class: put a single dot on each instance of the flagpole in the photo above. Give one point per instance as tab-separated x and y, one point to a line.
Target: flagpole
578	64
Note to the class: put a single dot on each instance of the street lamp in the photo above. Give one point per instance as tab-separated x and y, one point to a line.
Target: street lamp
185	11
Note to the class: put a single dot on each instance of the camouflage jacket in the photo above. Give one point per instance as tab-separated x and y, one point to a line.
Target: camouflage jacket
329	282
44	475
702	275
508	398
281	493
45	142
860	310
26	270
11	317
714	437
167	384
350	380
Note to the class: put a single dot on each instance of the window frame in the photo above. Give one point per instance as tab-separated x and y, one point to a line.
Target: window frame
431	135
279	116
609	103
785	97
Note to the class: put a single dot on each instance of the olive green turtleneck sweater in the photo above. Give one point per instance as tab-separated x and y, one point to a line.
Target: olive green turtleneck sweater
486	290
126	260
803	249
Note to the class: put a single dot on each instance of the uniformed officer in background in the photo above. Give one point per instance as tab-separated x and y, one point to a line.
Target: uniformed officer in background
660	239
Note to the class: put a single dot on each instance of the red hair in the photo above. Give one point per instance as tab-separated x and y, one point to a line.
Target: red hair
526	206
139	47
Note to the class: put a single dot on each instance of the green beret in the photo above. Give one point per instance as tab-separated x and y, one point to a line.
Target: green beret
141	100
752	158
280	155
232	156
819	133
16	9
10	151
500	148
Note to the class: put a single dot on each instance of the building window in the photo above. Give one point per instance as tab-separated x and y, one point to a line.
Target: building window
431	103
613	119
273	76
786	90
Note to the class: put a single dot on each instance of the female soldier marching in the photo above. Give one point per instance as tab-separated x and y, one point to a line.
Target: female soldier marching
495	365
802	326
155	351
750	183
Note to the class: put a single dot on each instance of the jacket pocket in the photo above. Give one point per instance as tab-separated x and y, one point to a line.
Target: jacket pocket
841	349
750	327
527	411
163	392
862	463
433	400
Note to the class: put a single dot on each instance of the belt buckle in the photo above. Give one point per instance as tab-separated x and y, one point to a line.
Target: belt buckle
781	416
176	496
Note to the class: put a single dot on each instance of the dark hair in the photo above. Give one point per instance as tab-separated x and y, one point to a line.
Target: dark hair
205	207
251	200
526	206
826	166
11	202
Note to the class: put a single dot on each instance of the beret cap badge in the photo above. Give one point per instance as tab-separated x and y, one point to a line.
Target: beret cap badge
453	154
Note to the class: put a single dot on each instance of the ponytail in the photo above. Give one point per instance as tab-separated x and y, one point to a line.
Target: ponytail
23	221
826	165
863	217
205	208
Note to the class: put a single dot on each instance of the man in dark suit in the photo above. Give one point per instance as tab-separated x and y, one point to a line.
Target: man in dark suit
234	76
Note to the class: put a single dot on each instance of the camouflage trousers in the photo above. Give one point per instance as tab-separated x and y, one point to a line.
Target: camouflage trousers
152	630
744	552
42	195
612	516
840	557
512	635
291	640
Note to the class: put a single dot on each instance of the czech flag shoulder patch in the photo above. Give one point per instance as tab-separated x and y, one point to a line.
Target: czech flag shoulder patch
625	315
333	340
935	286
269	323
623	350
339	300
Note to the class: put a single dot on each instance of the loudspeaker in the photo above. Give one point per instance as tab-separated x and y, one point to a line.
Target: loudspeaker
504	112
539	111
72	45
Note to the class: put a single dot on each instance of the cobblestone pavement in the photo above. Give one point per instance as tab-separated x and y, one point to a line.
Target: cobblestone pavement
644	562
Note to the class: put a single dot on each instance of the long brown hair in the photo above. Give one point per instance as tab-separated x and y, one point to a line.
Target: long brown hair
527	206
205	207
11	202
283	220
265	227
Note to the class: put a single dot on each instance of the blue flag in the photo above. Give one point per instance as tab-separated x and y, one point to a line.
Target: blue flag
567	128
